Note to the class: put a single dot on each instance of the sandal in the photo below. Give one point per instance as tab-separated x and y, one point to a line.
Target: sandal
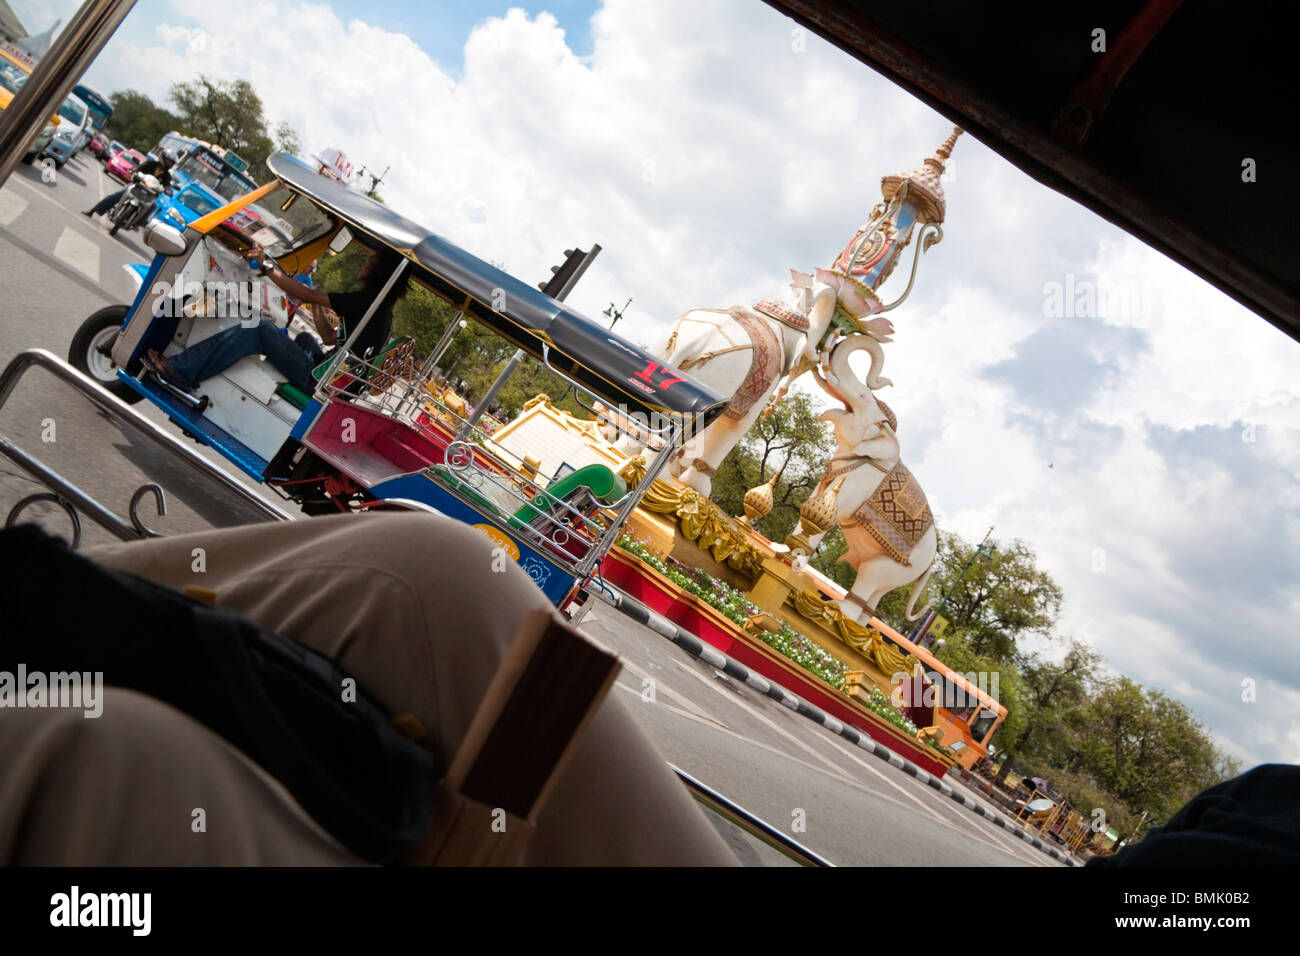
161	367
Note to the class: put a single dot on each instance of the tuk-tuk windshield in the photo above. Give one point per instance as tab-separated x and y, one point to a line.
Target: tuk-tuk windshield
281	221
11	77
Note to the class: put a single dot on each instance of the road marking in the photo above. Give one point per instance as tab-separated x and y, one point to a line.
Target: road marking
11	206
954	826
660	687
944	814
76	250
957	825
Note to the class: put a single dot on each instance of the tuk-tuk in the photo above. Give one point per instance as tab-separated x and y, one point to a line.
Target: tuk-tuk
375	432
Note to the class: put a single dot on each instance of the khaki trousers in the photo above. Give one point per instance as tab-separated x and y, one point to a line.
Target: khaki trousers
420	611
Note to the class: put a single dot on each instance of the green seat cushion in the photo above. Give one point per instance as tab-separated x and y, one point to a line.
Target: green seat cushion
605	487
293	395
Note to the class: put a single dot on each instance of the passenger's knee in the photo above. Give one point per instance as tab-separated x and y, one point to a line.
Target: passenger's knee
442	555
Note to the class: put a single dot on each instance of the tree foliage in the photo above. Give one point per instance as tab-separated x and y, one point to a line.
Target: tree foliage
138	122
790	441
226	114
1144	747
474	353
997	600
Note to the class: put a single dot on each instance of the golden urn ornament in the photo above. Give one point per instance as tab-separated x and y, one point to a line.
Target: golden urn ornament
759	501
815	517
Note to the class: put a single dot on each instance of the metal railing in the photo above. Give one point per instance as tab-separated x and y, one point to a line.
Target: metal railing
577	533
73	499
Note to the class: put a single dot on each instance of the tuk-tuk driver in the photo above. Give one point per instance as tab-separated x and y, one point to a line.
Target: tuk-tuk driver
293	358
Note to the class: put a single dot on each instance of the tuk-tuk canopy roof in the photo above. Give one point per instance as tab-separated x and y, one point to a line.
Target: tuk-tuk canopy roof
615	370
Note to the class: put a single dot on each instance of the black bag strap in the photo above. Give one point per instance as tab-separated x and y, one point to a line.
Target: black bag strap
278	701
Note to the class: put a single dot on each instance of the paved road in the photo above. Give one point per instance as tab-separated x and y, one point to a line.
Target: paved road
56	267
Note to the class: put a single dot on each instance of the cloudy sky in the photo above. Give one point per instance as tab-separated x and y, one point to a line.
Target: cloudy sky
1146	447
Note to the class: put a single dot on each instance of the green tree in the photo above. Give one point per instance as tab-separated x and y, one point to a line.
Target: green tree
997	601
226	114
1050	692
138	122
1144	747
286	139
791	440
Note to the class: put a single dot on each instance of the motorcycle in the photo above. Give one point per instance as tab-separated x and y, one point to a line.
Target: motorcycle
136	204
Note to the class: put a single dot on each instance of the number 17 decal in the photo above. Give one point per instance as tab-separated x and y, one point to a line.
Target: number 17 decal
647	374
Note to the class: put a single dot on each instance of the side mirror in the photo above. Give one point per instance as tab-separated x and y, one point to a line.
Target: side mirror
341	240
164	238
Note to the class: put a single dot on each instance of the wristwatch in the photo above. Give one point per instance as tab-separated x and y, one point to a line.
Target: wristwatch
267	265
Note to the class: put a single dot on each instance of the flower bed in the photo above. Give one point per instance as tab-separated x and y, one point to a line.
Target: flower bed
732	604
718	616
881	706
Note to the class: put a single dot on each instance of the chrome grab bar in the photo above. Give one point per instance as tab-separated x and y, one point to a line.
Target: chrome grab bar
73	498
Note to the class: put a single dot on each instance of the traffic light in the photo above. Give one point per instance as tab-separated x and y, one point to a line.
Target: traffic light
564	276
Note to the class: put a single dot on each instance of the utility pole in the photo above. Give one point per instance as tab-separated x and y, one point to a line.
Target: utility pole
616	314
563	278
983	552
374	180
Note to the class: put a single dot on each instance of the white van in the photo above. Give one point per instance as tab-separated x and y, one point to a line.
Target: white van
75	130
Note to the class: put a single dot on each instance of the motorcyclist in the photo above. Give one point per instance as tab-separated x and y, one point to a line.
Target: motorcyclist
159	167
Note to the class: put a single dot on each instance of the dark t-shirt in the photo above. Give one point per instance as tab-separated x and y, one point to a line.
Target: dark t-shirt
351	307
153	167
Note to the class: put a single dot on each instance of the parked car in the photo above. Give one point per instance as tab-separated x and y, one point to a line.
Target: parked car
73	132
12	76
123	164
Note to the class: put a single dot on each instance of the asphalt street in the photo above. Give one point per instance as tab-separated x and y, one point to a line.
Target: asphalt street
57	267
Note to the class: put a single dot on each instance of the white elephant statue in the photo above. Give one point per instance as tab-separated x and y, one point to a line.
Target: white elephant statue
886	519
746	353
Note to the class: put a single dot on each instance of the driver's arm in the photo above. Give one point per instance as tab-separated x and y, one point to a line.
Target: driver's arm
295	289
328	334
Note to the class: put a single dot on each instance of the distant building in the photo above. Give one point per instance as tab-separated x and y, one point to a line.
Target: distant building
11	28
14	33
37	45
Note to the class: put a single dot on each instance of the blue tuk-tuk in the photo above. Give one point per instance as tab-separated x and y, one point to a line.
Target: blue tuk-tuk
374	432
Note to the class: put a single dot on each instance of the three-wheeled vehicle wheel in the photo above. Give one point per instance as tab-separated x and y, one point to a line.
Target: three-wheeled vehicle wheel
91	351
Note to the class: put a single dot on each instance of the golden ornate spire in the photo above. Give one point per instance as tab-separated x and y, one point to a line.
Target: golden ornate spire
923	183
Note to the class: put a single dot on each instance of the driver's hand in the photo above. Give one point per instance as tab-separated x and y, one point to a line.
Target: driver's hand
257	252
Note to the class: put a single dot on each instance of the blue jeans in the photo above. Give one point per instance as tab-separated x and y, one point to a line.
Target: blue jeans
216	354
102	207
